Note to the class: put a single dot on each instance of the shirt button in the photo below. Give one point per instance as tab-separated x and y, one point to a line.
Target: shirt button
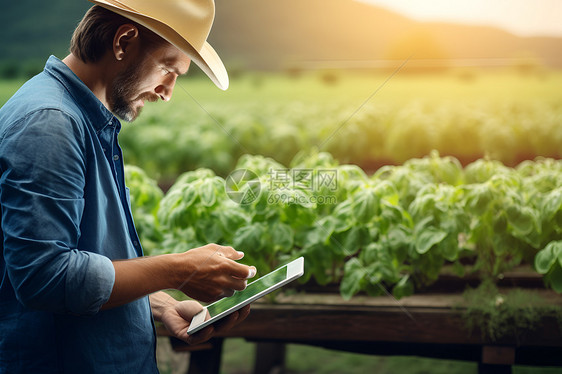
116	157
135	243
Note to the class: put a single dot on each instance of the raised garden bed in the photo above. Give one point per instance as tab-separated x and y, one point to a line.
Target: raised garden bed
431	324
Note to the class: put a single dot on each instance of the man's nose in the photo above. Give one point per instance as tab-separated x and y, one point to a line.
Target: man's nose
166	89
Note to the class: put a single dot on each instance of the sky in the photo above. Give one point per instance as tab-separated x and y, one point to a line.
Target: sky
521	17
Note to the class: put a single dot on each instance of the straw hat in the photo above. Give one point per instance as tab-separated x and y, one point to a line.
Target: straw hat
184	23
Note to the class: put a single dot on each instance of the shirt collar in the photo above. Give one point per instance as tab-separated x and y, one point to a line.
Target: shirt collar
98	115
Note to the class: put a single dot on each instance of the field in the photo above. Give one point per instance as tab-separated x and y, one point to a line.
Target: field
365	119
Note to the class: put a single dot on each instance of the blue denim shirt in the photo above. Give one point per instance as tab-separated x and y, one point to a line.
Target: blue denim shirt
65	216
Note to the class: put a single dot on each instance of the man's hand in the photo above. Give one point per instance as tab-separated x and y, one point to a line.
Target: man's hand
177	318
213	273
206	273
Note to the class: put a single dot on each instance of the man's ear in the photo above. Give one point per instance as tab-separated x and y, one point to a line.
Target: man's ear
125	37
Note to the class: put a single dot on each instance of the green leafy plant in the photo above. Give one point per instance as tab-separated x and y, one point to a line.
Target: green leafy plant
549	262
145	196
394	230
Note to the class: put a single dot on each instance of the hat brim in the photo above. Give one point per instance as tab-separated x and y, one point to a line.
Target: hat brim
207	59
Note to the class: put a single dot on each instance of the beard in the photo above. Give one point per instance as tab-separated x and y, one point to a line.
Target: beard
124	92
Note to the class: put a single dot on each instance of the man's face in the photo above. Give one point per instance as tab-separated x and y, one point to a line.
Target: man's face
147	78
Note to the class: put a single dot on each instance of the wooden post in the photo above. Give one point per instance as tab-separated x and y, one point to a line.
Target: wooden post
496	360
270	358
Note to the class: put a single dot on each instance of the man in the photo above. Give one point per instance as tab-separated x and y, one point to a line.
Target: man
74	287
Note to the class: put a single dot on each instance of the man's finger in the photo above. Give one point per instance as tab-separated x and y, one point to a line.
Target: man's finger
233	319
230	253
201	335
243	271
243	313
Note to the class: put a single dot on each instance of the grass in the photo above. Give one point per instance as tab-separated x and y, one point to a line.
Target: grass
238	358
8	88
511	313
353	88
356	88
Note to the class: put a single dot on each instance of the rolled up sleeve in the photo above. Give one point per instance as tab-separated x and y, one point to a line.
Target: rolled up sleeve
41	193
88	289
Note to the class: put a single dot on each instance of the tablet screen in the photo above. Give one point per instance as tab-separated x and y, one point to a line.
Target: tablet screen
253	291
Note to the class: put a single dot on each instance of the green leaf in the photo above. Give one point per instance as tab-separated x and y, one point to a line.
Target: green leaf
370	254
207	193
404	287
398	238
249	238
391	213
211	230
500	223
327	226
521	218
319	259
357	237
189	195
232	219
479	198
342	216
552	204
365	205
428	238
351	241
458	269
503	244
557	250
482	170
423	205
423	224
555	278
282	236
545	259
354	273
449	247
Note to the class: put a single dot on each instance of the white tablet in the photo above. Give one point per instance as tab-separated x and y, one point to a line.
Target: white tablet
258	288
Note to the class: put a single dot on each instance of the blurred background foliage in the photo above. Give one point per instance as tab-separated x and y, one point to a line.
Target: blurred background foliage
369	85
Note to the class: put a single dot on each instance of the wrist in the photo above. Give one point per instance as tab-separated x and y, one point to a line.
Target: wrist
180	269
168	271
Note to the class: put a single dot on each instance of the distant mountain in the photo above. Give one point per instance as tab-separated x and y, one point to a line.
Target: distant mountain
31	29
275	34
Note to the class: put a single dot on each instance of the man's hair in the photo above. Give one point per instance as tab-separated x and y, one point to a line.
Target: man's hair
94	35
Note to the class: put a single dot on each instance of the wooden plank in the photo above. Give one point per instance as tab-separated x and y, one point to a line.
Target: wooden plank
321	323
430	324
426	300
428	318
